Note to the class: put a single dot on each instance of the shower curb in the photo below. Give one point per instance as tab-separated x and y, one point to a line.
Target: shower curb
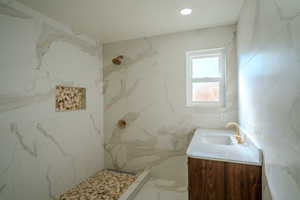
135	187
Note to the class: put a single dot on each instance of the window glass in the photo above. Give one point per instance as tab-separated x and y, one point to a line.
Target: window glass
205	91
205	78
205	67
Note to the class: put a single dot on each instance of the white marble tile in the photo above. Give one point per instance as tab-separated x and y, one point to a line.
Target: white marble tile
43	153
151	84
150	191
269	89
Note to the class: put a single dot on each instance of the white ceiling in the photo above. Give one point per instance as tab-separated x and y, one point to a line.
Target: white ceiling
114	20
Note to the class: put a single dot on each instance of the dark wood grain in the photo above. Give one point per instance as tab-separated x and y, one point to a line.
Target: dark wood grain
243	182
215	180
205	180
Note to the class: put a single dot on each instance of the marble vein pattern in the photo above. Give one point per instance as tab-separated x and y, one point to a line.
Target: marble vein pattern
49	35
10	11
147	91
129	61
40	129
94	123
167	97
123	94
49	182
9	102
30	149
268	52
2	187
139	149
282	9
51	151
10	161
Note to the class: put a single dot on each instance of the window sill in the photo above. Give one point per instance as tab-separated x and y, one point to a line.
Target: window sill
205	105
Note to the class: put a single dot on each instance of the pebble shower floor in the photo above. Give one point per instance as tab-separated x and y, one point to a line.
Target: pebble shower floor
104	185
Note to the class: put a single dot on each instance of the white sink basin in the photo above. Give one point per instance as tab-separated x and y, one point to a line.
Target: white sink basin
218	140
221	145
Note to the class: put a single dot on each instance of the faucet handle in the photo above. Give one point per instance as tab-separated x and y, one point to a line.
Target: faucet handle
239	139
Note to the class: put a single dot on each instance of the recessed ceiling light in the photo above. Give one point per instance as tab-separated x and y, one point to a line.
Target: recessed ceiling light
186	11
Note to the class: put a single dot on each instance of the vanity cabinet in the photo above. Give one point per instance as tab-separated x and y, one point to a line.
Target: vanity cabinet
216	180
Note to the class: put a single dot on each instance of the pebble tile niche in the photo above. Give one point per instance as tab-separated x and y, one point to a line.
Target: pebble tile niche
69	98
104	185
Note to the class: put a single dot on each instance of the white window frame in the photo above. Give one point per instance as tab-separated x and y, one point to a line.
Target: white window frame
220	52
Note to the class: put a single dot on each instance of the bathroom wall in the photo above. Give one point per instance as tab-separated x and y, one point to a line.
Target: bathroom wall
269	89
43	152
148	91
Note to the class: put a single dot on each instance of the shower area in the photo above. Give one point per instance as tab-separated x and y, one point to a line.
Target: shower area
107	185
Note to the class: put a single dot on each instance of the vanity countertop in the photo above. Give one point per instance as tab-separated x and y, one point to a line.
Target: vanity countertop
220	145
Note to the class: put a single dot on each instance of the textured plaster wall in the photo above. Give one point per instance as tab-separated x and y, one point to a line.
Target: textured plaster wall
43	152
148	91
269	89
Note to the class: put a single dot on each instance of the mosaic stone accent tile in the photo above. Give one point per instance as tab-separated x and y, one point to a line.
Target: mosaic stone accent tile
70	98
104	185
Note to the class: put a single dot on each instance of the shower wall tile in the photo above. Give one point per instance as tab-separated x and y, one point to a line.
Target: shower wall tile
43	152
148	91
269	89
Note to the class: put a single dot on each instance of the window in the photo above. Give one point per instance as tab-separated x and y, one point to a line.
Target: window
206	77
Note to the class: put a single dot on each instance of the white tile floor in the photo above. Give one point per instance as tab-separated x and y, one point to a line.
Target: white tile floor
151	192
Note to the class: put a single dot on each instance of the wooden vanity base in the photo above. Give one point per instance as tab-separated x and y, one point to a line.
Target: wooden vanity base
215	180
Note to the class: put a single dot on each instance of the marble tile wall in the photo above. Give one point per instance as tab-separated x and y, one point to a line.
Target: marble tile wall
269	89
43	152
148	91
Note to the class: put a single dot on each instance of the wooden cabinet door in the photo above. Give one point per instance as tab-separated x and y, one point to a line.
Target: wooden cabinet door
206	179
243	182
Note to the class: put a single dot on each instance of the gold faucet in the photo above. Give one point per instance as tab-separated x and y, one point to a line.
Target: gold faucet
237	131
